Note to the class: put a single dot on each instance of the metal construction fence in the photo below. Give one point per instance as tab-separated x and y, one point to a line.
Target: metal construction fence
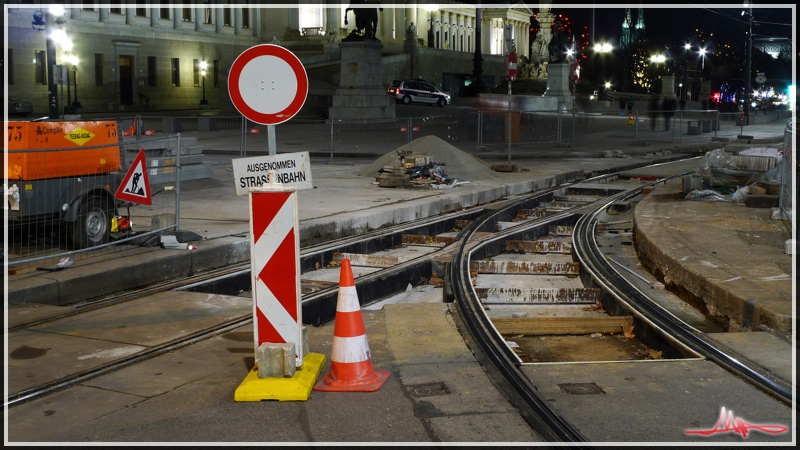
463	128
789	172
60	202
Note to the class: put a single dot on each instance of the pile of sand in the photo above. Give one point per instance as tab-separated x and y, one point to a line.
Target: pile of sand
459	164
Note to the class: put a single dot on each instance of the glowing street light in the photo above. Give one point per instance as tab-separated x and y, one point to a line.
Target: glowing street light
203	67
658	59
602	48
703	52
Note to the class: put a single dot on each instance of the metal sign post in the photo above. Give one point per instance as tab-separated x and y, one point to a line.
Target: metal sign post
511	72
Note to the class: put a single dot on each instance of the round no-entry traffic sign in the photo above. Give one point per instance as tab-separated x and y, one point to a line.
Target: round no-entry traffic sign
268	84
511	66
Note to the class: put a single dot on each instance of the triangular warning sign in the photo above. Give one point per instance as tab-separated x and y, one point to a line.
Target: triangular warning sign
135	187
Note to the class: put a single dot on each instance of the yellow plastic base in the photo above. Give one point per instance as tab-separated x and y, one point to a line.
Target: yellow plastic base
298	387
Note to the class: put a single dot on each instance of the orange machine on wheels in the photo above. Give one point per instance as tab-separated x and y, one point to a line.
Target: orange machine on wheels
64	171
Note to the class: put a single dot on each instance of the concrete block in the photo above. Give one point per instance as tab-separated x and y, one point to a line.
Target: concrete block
159	221
772	187
276	360
762	201
789	246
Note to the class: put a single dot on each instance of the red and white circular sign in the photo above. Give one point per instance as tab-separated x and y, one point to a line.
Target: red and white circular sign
268	84
511	66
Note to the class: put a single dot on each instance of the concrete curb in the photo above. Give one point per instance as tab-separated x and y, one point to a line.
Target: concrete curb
699	284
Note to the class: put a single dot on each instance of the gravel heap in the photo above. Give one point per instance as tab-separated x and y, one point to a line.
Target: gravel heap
459	164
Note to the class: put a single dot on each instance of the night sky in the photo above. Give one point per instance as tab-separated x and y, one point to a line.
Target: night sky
672	25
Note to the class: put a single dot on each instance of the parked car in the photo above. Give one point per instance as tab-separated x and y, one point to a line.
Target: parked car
17	107
407	91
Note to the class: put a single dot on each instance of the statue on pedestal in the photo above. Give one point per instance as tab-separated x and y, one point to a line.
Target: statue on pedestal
366	22
558	44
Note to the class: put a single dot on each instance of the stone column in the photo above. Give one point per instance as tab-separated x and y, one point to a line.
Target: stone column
422	24
237	21
198	19
332	20
293	25
155	15
177	18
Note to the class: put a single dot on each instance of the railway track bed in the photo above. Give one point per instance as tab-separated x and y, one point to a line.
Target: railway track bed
581	363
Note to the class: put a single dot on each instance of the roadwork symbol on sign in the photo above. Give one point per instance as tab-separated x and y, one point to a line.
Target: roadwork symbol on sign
135	186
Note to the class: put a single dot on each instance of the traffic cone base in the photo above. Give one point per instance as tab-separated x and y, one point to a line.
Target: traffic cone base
351	377
351	362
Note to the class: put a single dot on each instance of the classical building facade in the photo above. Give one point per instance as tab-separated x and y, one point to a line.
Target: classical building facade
173	57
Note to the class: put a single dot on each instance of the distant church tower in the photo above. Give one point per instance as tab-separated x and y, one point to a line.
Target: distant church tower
625	38
631	34
638	31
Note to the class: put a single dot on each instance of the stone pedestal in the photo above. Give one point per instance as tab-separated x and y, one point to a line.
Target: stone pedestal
361	93
558	85
668	87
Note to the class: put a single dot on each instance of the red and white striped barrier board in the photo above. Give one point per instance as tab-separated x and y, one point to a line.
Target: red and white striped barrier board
275	267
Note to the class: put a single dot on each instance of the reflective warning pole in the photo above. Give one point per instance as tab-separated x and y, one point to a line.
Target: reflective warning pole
509	121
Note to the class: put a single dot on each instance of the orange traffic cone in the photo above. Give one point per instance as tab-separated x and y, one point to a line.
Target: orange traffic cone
351	362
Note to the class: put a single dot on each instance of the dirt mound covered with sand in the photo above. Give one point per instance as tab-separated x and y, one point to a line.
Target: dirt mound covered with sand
459	164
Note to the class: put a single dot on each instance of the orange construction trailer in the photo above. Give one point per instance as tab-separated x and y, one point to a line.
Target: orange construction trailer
66	171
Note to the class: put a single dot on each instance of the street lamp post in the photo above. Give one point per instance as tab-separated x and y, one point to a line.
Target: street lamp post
603	49
203	66
703	52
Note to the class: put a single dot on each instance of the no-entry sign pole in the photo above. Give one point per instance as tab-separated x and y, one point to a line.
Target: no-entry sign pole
271	140
511	73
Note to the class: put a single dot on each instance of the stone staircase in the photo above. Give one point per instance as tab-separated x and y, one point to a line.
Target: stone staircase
161	159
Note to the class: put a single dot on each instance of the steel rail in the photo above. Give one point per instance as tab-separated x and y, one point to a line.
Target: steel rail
604	274
73	379
492	344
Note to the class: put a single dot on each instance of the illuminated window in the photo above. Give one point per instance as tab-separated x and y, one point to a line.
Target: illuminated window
10	66
208	14
39	72
196	68
99	69
151	71
176	71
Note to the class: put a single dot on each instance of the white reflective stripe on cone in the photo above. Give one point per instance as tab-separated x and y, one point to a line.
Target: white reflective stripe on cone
350	349
348	300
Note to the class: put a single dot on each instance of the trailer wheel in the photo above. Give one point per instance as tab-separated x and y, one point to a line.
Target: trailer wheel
93	225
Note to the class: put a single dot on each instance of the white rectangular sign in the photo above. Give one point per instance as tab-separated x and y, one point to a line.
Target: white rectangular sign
291	170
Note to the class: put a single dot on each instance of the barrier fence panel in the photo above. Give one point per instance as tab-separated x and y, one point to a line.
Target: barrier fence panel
368	139
789	172
60	201
294	136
